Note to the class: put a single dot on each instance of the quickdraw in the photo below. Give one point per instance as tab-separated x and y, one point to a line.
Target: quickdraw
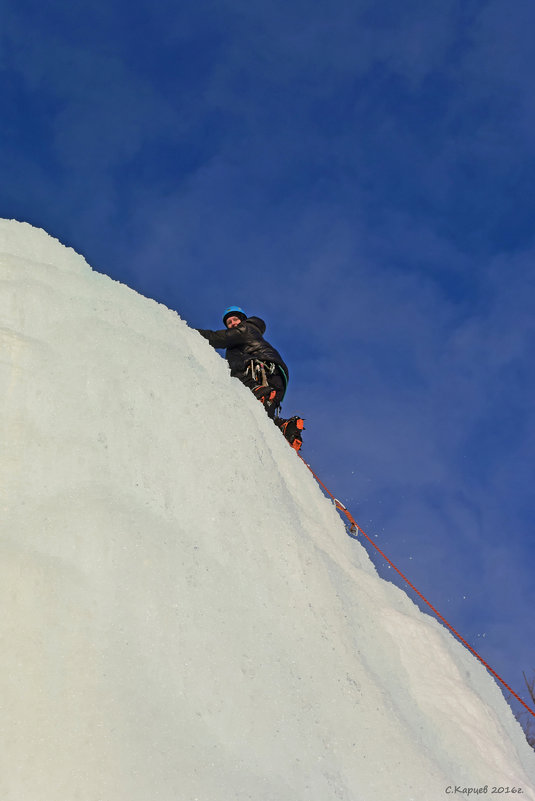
354	529
258	370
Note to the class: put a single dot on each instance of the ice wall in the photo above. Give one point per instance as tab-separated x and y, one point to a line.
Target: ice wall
183	615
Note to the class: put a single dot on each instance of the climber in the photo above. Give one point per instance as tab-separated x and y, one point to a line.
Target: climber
256	364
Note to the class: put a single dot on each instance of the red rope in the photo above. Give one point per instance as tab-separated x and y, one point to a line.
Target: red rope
354	527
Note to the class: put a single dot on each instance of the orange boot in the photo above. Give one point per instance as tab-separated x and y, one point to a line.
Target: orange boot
291	430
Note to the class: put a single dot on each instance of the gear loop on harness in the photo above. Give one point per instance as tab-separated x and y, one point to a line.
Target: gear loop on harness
259	369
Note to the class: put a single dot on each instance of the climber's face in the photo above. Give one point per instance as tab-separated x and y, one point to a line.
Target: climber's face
233	322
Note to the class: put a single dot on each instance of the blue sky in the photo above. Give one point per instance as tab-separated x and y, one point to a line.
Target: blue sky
359	174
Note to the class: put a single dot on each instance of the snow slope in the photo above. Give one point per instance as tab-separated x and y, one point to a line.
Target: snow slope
184	617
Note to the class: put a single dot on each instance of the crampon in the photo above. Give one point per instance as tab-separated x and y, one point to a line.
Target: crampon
291	430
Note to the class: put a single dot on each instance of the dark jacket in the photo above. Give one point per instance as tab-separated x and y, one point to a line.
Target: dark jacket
243	343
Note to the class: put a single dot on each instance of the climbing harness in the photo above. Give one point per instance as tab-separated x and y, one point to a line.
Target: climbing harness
354	529
259	372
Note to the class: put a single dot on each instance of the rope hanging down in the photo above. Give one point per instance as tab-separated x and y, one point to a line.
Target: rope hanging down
354	528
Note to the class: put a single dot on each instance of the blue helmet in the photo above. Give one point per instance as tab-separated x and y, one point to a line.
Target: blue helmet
233	311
